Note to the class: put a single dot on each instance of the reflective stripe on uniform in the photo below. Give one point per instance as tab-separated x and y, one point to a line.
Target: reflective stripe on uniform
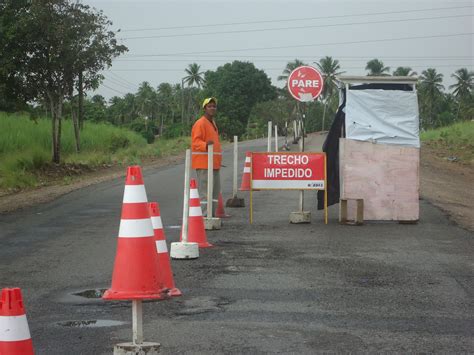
204	153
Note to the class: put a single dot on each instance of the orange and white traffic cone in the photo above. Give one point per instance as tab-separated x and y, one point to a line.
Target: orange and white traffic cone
196	230
164	264
220	212
245	186
135	275
15	338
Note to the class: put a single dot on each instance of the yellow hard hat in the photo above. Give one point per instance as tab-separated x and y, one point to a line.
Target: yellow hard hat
209	99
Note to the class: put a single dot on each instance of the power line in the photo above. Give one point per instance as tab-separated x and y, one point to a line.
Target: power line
116	82
305	56
281	69
295	27
307	45
123	80
108	87
311	58
296	19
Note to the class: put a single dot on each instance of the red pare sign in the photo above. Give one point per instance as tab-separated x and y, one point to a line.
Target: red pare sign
288	171
305	83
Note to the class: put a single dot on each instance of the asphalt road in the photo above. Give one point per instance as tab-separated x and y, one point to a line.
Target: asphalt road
270	287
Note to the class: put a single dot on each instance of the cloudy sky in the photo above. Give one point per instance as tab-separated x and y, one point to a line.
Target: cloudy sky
164	37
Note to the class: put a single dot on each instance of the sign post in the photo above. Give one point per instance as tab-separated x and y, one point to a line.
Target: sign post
269	142
305	84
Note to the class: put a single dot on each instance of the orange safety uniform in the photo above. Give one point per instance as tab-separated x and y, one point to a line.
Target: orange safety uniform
202	132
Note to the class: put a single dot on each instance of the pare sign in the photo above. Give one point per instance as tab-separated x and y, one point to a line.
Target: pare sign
305	83
288	171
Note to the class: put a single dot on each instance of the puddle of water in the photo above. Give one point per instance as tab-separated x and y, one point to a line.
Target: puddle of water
95	293
90	323
173	227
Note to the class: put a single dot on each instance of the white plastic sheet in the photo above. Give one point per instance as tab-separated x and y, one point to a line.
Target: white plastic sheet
383	116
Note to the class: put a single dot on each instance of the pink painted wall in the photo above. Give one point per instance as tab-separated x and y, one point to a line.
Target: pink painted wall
387	177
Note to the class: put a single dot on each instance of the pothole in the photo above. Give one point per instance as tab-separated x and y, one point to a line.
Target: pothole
204	304
242	268
90	323
94	293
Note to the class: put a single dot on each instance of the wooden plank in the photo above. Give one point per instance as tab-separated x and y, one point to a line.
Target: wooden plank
386	177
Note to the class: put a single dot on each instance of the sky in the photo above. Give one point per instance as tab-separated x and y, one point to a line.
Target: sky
164	37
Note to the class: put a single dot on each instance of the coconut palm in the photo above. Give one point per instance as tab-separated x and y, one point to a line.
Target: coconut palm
404	71
463	86
194	75
377	68
290	66
329	69
430	88
146	100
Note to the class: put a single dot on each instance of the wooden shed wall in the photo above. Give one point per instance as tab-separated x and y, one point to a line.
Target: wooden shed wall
385	176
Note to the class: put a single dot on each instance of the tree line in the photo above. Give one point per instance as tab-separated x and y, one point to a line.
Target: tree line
53	51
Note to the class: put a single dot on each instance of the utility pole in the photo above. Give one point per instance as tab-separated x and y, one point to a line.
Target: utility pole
182	101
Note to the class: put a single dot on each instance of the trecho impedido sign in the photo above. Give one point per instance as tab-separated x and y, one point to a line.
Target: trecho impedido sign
305	83
288	171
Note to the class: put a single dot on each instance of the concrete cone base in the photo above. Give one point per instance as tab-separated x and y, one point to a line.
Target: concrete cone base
181	250
212	223
235	202
146	348
300	217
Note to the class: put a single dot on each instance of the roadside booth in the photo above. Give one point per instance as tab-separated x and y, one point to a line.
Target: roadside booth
373	150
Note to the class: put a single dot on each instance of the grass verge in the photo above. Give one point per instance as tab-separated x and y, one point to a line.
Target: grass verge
455	142
25	151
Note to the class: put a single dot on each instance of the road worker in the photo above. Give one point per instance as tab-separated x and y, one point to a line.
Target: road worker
203	134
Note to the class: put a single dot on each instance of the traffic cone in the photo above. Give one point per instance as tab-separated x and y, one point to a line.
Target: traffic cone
245	186
164	265
220	212
15	338
196	231
135	275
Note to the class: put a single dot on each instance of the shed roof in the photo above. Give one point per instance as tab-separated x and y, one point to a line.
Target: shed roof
377	79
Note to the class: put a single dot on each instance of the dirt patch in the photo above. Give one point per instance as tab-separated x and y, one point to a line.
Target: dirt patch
448	182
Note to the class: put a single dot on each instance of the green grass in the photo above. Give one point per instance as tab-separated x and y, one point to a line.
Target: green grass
456	140
25	149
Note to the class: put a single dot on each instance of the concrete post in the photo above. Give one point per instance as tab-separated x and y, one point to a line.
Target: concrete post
183	249
211	222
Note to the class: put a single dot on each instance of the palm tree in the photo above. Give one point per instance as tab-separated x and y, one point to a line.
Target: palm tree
376	68
329	68
430	88
194	75
146	100
290	66
463	86
165	104
404	71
